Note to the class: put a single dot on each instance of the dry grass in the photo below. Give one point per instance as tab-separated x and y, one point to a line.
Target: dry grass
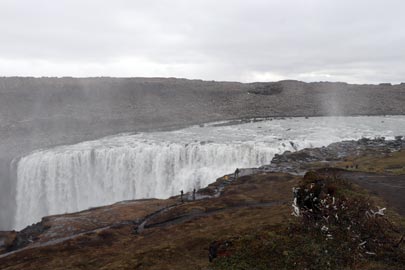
333	232
393	163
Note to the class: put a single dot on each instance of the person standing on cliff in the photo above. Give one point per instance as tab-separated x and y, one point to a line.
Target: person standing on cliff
193	194
236	173
213	251
181	196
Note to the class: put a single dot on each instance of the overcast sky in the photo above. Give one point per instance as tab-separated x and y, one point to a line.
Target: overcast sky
358	41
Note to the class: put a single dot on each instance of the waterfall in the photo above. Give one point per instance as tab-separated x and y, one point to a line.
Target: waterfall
160	164
69	180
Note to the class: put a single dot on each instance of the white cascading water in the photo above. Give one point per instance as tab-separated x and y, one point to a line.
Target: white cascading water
160	164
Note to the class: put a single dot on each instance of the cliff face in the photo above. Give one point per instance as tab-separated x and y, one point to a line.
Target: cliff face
39	113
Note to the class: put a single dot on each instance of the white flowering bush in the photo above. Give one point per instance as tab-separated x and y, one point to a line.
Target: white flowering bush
345	219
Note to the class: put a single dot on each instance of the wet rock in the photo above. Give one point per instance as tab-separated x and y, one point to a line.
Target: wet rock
27	236
6	240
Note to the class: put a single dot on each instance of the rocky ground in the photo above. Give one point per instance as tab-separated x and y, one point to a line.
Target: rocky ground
341	154
248	215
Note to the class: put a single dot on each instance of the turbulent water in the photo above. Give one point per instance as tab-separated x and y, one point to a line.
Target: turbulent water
160	164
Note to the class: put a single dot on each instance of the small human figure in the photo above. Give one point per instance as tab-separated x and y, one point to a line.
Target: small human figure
236	173
193	194
181	196
212	251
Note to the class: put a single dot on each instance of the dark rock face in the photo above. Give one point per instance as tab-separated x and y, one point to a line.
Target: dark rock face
27	236
6	240
267	89
297	162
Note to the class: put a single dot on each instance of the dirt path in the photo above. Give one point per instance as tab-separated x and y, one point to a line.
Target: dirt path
144	224
390	187
187	217
63	239
141	226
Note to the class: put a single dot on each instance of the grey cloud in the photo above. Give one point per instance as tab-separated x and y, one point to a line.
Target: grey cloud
356	41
